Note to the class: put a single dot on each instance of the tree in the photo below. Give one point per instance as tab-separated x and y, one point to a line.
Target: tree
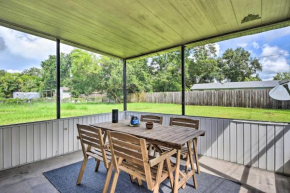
166	72
84	70
282	76
237	65
109	78
139	76
48	72
203	66
32	72
9	83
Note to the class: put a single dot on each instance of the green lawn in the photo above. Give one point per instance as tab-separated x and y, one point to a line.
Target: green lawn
11	114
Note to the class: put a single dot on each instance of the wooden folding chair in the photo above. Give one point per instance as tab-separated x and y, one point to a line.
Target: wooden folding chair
154	119
96	148
185	122
133	159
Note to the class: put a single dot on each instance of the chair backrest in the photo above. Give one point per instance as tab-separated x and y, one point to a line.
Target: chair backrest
185	122
152	118
93	138
132	149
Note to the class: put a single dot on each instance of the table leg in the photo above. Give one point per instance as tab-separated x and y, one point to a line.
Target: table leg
195	154
176	180
191	163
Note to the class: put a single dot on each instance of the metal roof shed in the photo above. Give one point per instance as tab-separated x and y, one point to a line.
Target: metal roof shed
236	85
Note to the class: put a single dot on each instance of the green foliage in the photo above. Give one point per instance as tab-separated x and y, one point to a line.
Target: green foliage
9	82
237	65
203	66
282	76
83	73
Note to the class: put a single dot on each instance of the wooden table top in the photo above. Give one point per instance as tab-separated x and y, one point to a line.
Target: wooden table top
169	136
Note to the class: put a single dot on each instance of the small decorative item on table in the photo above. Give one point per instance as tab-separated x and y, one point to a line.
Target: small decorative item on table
149	125
134	122
115	113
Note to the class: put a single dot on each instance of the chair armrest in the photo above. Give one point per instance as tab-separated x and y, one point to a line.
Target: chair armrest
161	158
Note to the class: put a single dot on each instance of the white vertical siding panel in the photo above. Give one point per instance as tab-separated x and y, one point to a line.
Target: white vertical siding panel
29	142
22	131
287	150
208	137
43	141
233	142
203	139
279	149
55	138
75	140
15	146
262	146
1	149
254	145
79	143
36	142
240	143
60	135
49	139
7	147
220	138
65	136
214	142
109	117
247	144
198	139
227	140
101	119
71	135
270	147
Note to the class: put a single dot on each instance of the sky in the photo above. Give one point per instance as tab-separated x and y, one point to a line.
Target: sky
19	51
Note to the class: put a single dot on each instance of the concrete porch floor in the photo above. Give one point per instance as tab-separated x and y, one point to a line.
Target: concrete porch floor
29	178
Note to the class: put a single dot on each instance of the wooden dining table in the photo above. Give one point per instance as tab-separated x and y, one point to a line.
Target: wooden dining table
174	137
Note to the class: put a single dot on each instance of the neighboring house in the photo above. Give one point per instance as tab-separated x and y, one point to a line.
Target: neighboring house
26	95
236	85
64	93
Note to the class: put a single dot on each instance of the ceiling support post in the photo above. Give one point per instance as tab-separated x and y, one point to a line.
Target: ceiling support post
183	79
58	78
125	84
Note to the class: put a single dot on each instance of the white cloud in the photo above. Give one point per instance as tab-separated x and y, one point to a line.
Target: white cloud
217	47
273	60
242	45
13	71
29	46
256	45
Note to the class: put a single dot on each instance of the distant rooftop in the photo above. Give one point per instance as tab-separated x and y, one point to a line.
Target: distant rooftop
236	85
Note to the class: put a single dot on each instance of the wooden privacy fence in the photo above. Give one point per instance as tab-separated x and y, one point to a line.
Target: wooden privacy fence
249	98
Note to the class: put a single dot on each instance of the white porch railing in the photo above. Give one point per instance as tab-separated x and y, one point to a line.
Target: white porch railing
263	145
30	142
258	144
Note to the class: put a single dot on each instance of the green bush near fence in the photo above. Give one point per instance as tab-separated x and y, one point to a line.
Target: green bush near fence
39	111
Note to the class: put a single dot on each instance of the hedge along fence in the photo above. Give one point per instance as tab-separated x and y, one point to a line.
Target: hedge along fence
249	98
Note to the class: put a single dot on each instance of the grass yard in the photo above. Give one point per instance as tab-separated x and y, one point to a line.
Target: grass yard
11	114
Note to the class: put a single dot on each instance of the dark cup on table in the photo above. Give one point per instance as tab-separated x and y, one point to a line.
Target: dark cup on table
149	125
